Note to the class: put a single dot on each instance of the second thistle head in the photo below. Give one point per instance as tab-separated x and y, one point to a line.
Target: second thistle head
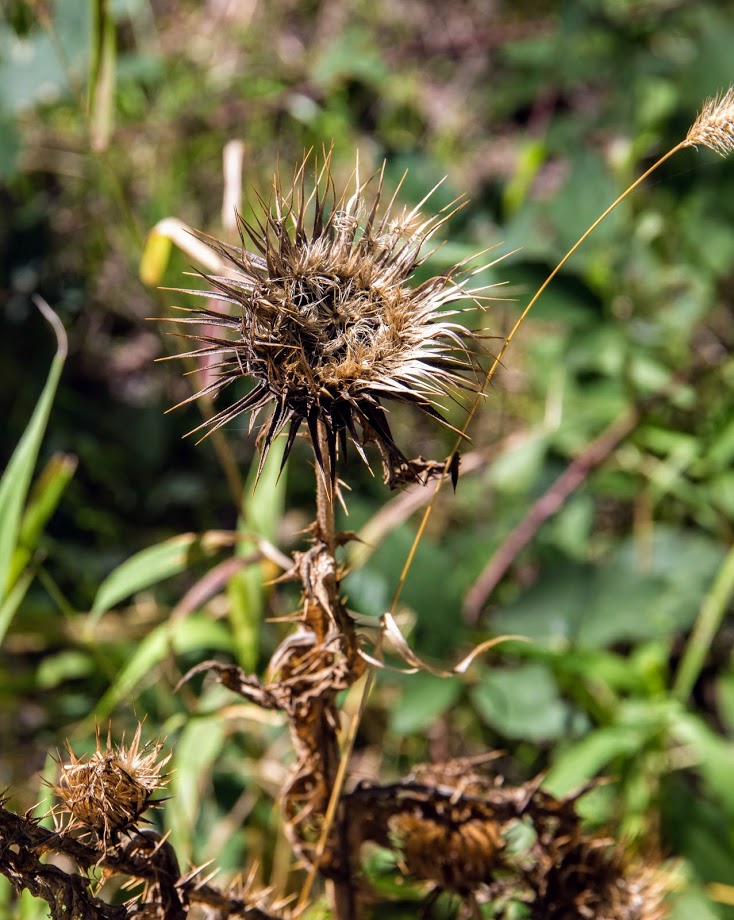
322	318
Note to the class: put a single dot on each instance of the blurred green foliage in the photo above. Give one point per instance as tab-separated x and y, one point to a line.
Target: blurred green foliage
113	115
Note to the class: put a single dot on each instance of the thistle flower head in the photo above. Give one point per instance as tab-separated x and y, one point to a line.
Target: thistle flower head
109	792
322	320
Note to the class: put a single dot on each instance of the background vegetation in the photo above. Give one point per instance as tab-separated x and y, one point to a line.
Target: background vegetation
114	116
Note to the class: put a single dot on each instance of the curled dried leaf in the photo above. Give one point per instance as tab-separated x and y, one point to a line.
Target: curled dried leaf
390	631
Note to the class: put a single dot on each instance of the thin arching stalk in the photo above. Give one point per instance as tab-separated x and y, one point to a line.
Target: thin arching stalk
498	360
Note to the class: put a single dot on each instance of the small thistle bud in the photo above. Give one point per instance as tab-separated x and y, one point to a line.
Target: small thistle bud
324	323
109	792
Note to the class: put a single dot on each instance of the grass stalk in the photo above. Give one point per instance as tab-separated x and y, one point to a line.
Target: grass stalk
711	613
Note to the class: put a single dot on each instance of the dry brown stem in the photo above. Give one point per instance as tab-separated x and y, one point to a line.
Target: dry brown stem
142	856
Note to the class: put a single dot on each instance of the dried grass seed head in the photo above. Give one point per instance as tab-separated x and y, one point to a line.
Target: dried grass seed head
714	126
109	792
323	321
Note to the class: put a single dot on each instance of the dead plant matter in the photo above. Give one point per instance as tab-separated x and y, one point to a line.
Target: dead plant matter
466	832
326	325
109	792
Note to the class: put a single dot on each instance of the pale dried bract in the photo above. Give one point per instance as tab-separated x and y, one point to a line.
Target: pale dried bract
109	792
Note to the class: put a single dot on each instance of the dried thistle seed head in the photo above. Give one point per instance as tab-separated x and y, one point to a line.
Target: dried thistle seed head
324	323
456	851
109	792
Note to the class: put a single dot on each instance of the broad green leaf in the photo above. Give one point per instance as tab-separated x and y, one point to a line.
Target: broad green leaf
523	702
422	700
624	597
16	479
36	67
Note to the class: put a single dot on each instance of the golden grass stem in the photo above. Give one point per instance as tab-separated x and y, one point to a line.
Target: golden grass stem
498	360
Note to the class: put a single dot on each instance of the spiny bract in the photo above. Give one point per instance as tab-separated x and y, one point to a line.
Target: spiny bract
109	792
325	324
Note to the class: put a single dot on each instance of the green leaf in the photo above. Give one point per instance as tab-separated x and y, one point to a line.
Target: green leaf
152	565
522	702
693	902
197	749
586	758
14	599
16	479
191	634
625	597
422	700
102	77
516	470
43	501
67	665
713	754
262	508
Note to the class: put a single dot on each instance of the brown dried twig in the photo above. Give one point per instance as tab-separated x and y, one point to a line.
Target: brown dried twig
143	856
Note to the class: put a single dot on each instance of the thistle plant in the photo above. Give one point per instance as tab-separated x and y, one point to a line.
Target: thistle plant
321	318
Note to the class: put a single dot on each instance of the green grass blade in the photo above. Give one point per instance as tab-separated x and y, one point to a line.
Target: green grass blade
712	612
154	564
44	499
183	637
197	750
13	600
16	479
